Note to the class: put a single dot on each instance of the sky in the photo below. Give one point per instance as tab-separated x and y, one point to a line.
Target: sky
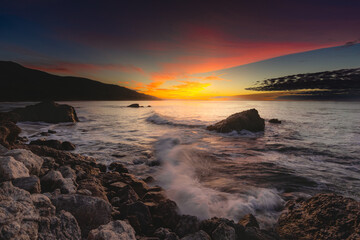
180	49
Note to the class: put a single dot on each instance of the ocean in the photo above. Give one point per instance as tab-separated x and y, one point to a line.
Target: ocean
315	149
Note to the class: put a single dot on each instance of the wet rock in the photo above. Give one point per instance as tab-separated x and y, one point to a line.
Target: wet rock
90	212
324	216
30	184
210	225
56	144
253	233
249	221
246	120
12	169
223	232
164	213
32	162
148	179
118	167
165	234
274	120
200	235
9	133
50	112
143	217
113	230
3	149
67	172
187	224
139	186
51	131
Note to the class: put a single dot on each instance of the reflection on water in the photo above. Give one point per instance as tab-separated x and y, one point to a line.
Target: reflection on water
315	149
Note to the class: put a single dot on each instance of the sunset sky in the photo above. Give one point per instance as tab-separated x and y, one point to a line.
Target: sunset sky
178	49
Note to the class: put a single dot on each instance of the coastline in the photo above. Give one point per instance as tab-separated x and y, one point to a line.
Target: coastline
95	198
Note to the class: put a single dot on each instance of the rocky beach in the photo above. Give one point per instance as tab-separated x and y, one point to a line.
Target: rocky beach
48	192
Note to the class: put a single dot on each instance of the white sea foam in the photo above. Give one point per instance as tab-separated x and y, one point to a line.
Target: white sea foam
181	170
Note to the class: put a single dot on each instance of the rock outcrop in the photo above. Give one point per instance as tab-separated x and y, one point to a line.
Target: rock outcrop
134	105
50	112
56	144
324	216
274	120
246	120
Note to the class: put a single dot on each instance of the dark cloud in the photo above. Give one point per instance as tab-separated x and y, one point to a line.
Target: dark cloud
329	85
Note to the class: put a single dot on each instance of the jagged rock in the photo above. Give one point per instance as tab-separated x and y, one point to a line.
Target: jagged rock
51	181
274	120
118	167
90	212
94	186
113	230
9	133
122	194
187	224
134	105
249	221
56	144
67	172
3	149
165	234
50	112
254	233
68	186
164	213
139	186
12	169
30	184
200	235
223	232
246	120
210	225
29	159
324	216
25	216
143	217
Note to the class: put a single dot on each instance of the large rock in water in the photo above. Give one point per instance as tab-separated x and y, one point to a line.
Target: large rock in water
246	120
50	112
325	216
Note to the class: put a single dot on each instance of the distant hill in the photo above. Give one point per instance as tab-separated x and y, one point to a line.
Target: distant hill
18	83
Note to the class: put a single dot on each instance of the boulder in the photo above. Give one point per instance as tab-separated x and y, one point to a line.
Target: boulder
51	181
30	184
50	112
29	159
56	144
118	167
90	212
165	234
9	133
223	232
246	120
274	120
187	224
200	235
324	216
139	212
25	216
113	230
12	169
94	186
134	105
249	221
210	225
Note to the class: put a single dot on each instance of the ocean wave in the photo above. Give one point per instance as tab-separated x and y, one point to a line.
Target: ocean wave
183	167
162	120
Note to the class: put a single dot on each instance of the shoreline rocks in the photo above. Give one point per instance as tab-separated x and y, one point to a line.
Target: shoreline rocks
246	120
49	193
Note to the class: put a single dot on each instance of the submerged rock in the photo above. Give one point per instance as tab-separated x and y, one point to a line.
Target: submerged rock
134	105
275	120
50	112
246	120
324	216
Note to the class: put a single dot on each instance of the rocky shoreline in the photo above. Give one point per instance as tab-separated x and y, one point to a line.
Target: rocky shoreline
47	192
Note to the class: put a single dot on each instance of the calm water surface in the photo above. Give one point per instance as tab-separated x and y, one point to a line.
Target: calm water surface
315	149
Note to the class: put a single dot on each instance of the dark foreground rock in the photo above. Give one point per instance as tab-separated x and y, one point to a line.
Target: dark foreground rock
274	120
325	216
246	120
56	144
50	112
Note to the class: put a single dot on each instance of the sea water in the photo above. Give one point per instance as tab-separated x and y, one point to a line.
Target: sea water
315	149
